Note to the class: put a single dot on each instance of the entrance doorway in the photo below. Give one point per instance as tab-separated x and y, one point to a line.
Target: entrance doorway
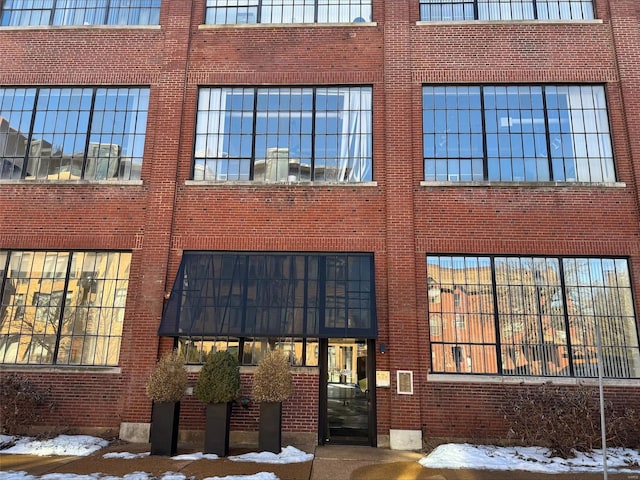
347	391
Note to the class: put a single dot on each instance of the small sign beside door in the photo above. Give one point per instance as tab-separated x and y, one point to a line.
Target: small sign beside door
405	382
383	378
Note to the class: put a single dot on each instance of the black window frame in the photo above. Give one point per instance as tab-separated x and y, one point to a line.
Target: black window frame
54	8
343	169
256	9
553	164
99	161
74	319
549	297
475	10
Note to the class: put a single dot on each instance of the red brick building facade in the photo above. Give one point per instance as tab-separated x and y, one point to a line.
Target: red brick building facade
412	200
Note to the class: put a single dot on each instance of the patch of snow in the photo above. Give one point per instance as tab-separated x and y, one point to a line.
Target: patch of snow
287	455
75	445
196	456
531	459
126	455
257	476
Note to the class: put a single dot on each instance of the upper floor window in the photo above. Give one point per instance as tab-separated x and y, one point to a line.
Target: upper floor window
278	134
287	11
87	12
72	133
451	10
533	316
517	133
62	308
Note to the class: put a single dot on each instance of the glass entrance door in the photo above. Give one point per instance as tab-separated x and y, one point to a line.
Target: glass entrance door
348	401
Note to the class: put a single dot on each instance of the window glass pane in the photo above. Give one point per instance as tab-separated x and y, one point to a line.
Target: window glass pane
16	111
61	145
287	11
529	134
73	12
117	134
461	315
17	13
52	317
599	297
451	10
540	313
270	133
136	12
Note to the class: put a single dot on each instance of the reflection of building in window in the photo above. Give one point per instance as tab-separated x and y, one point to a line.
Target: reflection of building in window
75	133
74	307
517	134
546	316
284	134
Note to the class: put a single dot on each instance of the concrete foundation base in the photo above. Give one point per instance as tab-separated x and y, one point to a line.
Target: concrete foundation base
135	432
405	439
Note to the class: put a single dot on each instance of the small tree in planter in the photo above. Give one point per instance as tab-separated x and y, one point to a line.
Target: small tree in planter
272	384
166	386
217	386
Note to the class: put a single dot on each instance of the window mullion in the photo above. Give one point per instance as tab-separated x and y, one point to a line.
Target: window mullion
259	12
316	7
63	301
496	315
88	139
535	9
547	135
27	153
312	173
53	12
255	134
105	20
485	159
476	12
565	309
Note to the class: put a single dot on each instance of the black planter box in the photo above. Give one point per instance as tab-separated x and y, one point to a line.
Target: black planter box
270	433
163	435
216	435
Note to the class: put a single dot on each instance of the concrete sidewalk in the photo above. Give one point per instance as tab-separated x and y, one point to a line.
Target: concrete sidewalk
330	463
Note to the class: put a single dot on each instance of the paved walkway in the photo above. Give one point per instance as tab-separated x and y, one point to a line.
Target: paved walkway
330	463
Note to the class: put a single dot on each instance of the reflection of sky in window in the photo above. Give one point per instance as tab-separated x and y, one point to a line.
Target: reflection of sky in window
525	129
94	12
305	124
455	10
287	11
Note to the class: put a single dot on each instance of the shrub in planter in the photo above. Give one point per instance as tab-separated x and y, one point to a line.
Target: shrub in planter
272	384
218	385
166	386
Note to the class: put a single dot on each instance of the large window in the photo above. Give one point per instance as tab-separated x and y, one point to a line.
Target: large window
254	302
284	134
72	133
451	10
62	308
287	11
517	133
532	316
86	12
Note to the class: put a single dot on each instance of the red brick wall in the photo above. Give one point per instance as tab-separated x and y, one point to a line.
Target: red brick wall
397	219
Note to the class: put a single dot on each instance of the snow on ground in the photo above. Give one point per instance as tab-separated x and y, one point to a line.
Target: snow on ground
532	459
452	455
75	445
287	455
